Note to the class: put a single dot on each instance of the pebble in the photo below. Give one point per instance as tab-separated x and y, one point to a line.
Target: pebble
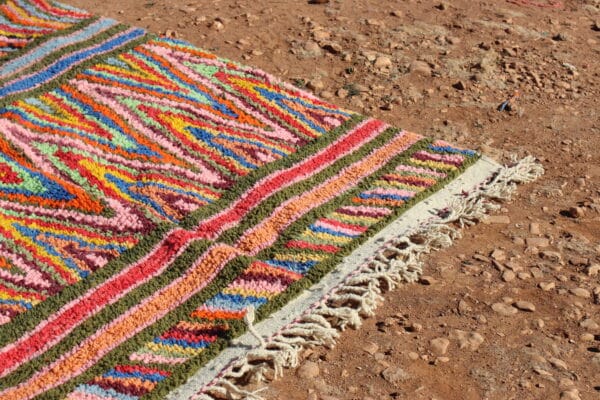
537	242
469	340
439	346
508	276
534	228
420	67
394	375
575	212
525	306
547	286
371	348
498	255
427	280
497	219
570	394
504	309
308	370
558	363
581	292
593	270
383	62
217	26
586	337
589	324
413	356
342	93
553	256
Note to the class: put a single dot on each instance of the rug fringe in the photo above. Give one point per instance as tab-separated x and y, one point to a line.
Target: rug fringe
398	260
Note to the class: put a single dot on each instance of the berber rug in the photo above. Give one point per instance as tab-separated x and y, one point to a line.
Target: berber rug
172	222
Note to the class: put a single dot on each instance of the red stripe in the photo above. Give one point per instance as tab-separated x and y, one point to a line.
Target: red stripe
333	222
211	228
96	299
92	302
301	244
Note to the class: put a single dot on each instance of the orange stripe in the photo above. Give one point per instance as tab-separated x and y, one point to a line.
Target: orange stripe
91	350
267	231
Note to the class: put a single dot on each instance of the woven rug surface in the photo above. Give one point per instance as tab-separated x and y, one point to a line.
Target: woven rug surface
156	199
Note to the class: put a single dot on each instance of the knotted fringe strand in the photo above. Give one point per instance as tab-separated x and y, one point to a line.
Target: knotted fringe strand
398	260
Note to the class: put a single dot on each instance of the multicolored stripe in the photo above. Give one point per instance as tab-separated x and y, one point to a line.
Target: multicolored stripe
150	192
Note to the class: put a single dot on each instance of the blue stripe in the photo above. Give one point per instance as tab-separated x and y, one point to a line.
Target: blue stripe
183	343
147	377
332	232
43	15
235	302
367	196
19	302
449	149
52	45
295	266
63	65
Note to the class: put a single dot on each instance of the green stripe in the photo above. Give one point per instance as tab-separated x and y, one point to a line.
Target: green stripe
43	39
29	320
71	73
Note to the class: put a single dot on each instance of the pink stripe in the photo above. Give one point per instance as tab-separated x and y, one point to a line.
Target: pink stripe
337	228
393	192
268	241
366	211
93	359
59	325
231	216
419	170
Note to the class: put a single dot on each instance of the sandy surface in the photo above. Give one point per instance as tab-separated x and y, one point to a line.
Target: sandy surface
442	69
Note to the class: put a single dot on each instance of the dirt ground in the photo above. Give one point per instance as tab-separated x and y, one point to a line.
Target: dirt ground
512	310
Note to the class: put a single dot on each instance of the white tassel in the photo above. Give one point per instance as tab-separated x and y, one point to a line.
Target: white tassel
397	260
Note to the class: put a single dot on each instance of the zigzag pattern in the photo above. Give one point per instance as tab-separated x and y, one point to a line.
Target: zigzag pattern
150	192
129	143
23	21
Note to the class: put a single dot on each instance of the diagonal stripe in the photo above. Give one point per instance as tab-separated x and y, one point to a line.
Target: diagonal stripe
60	324
52	46
214	226
90	351
67	63
267	232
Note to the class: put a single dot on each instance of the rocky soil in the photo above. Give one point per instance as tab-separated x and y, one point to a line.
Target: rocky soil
512	311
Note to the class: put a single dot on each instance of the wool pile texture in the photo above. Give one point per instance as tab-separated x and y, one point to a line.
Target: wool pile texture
152	192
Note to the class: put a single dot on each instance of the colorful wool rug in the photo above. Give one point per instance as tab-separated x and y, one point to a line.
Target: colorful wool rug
156	200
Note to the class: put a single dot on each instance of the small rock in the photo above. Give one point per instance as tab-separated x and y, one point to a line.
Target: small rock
469	340
439	346
498	255
383	62
570	394
540	323
589	324
534	228
315	85
581	292
318	1
504	309
309	370
420	67
326	94
371	348
497	219
397	13
464	307
553	256
427	280
508	276
575	212
442	6
537	242
413	356
342	93
312	48
525	306
414	327
547	286
579	261
586	337
394	375
593	270
558	363
460	85
333	47
217	26
560	37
